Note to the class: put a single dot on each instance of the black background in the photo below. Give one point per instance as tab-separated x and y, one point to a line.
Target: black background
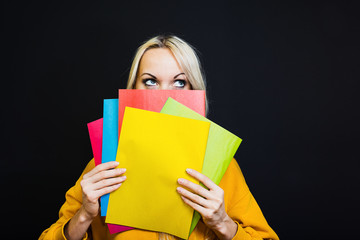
282	76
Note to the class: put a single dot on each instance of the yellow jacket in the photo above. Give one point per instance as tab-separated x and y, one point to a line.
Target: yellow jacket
240	205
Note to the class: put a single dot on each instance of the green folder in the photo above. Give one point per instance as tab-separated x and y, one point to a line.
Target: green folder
221	146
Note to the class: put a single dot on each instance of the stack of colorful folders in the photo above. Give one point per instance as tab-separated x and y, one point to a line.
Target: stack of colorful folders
156	135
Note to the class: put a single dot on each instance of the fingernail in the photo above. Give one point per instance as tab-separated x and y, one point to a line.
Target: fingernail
180	180
116	163
188	170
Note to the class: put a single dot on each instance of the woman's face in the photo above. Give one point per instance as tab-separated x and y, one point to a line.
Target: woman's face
159	69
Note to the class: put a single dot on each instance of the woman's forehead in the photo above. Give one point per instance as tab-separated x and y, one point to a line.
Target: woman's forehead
159	60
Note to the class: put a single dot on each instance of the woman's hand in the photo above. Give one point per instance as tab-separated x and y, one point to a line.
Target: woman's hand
209	203
101	180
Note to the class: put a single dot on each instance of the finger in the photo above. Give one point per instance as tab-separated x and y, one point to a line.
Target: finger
101	167
202	178
193	197
111	173
107	190
193	205
195	188
108	182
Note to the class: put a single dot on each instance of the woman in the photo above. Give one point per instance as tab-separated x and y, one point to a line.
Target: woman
228	210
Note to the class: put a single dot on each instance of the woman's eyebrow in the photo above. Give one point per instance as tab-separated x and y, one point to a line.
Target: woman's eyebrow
179	75
148	74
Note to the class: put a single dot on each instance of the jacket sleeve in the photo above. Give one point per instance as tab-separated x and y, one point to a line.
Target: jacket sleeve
68	209
243	208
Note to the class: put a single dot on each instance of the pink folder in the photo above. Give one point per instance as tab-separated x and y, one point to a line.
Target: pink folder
95	133
95	129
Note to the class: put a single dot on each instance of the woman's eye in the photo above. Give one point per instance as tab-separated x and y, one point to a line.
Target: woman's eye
179	83
149	82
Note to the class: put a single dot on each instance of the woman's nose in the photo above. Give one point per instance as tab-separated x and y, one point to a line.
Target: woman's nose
165	87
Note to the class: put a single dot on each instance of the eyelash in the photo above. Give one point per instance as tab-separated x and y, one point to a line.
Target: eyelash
147	79
182	81
151	79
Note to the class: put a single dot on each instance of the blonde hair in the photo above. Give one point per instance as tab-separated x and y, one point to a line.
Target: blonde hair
184	54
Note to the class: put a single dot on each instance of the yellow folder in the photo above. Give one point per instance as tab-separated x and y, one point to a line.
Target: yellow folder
156	149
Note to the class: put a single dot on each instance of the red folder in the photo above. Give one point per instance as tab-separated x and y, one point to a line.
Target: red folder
154	100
